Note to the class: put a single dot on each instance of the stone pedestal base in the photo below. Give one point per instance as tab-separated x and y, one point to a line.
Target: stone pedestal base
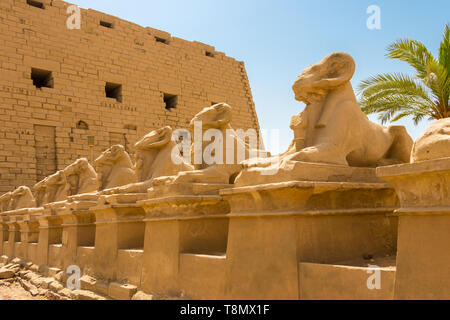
182	220
11	232
29	230
14	237
423	257
50	233
344	282
275	227
119	226
4	235
78	227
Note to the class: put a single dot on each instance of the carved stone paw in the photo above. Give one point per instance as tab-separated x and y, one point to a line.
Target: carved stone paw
109	191
164	180
257	163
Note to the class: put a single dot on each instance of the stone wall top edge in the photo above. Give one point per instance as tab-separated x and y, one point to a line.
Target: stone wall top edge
138	29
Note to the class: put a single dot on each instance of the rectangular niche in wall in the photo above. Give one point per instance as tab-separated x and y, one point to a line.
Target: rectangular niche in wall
106	24
36	4
45	145
42	78
170	101
161	40
204	236
114	91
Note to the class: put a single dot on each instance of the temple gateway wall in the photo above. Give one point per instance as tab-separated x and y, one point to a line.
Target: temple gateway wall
66	94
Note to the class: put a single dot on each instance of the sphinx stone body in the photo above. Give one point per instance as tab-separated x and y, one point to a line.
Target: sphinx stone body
115	168
434	143
56	188
5	200
154	158
40	189
81	177
218	118
333	129
22	198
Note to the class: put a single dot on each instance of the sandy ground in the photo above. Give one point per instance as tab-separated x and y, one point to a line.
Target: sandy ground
14	291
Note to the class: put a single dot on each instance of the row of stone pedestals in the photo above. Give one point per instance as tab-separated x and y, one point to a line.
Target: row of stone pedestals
285	240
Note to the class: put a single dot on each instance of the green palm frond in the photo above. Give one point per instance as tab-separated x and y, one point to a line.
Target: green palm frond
444	61
444	50
438	81
383	91
413	52
395	96
387	84
394	107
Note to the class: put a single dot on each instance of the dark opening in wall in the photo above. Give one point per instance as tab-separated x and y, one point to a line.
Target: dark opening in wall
170	101
82	125
42	78
165	41
113	90
106	24
36	4
209	54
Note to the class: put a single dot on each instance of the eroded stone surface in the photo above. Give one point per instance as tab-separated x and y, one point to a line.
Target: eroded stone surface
4	201
115	168
420	185
6	273
40	192
434	143
217	117
154	158
81	177
22	198
56	188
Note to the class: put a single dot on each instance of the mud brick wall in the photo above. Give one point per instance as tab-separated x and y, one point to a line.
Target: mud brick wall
54	82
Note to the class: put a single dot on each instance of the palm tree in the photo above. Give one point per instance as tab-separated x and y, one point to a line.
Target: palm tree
394	96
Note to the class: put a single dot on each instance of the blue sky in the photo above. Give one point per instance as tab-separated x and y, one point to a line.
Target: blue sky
278	39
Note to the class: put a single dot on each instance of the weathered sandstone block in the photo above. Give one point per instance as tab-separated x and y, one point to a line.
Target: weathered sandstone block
434	143
154	158
115	168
